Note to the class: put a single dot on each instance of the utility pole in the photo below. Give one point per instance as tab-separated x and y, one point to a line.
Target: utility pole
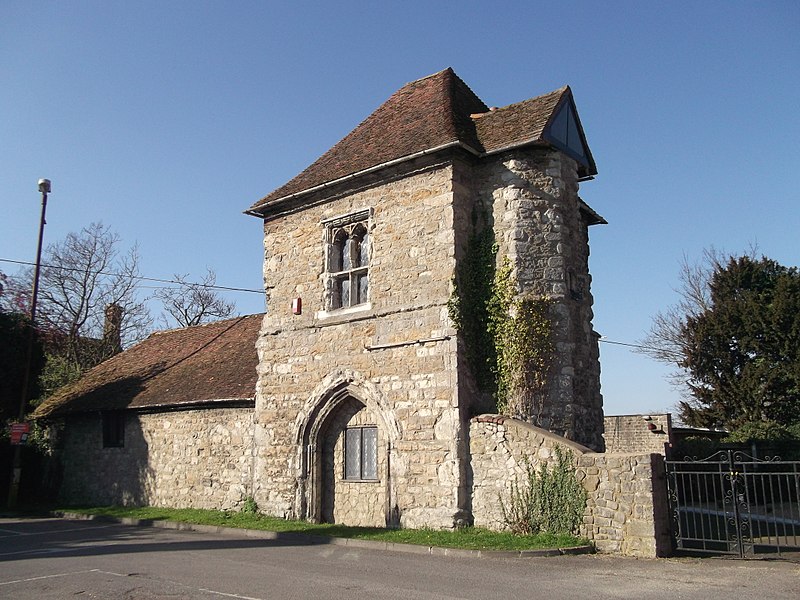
16	471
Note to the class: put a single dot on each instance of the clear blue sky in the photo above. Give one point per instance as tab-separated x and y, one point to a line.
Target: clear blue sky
165	120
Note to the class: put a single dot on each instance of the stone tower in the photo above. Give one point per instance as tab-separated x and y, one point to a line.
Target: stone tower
364	394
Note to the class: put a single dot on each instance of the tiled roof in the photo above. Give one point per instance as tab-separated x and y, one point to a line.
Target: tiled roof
435	111
216	361
519	123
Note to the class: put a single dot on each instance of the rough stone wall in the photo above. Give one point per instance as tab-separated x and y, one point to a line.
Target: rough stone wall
184	459
638	433
360	503
410	385
535	211
626	509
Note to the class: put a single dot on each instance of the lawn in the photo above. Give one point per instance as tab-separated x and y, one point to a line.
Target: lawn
469	538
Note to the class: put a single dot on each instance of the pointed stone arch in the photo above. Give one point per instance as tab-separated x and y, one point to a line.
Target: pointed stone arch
338	389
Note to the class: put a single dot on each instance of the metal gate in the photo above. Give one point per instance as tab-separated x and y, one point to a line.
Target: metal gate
733	503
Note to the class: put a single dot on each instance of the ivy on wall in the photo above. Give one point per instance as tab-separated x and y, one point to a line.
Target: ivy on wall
468	306
508	337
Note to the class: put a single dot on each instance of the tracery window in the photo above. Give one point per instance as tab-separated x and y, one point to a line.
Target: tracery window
347	261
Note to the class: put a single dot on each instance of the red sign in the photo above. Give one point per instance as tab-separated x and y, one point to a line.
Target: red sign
19	433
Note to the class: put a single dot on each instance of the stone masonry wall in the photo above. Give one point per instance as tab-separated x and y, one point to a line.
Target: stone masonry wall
626	511
397	353
183	459
638	433
532	196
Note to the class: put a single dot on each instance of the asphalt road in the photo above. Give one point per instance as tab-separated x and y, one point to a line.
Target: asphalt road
55	558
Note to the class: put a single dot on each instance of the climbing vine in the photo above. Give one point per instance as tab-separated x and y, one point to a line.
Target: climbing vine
508	337
468	306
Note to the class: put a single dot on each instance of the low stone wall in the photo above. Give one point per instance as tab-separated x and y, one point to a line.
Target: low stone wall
182	459
625	512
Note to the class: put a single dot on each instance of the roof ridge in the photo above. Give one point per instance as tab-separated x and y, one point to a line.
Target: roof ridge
445	70
559	92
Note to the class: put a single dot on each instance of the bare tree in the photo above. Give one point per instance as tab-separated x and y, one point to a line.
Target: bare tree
81	277
194	303
665	341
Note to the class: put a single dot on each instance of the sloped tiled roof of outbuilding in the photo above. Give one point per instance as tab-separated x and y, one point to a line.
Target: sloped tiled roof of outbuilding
430	113
194	365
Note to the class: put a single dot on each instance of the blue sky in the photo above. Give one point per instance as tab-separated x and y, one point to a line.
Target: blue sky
165	120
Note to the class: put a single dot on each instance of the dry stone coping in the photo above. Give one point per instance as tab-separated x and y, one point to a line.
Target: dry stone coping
309	539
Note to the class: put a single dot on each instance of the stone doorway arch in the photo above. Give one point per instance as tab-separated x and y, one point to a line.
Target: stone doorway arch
345	401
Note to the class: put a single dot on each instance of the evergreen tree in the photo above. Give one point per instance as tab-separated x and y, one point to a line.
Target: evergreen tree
739	347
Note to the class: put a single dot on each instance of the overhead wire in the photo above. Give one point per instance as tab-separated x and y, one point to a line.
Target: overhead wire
139	277
247	290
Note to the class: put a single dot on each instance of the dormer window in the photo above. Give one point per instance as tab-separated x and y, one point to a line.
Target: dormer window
347	261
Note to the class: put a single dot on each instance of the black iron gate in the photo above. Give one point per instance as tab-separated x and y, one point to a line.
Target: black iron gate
732	503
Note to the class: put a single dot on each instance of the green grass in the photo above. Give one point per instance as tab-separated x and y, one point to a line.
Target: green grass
470	538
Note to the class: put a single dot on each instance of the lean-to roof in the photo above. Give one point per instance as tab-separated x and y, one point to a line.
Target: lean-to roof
193	365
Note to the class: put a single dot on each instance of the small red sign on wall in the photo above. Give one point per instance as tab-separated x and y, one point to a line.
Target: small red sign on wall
297	306
19	433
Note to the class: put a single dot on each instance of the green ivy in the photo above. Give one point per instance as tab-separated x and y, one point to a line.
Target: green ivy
522	335
508	338
468	304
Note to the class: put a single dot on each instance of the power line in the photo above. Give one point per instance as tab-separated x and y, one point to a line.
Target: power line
237	289
605	341
139	277
673	355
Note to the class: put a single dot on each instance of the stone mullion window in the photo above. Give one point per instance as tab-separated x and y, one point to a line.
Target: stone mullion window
347	262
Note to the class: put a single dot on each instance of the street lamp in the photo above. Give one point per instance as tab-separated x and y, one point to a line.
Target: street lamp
16	471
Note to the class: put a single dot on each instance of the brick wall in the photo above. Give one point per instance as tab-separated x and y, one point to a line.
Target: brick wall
638	433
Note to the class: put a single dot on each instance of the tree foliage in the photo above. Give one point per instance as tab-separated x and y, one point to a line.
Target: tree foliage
735	337
13	354
80	278
194	303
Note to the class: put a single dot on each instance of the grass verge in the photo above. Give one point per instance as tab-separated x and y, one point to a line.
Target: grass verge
469	538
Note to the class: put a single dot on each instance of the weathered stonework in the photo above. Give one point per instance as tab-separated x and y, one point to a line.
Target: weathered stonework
626	509
184	459
540	224
406	363
395	354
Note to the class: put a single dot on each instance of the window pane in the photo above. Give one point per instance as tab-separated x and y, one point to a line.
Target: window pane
345	283
352	454
364	251
369	453
113	429
362	283
336	293
335	258
347	255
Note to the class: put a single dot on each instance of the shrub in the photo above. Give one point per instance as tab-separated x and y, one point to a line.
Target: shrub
550	500
250	507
